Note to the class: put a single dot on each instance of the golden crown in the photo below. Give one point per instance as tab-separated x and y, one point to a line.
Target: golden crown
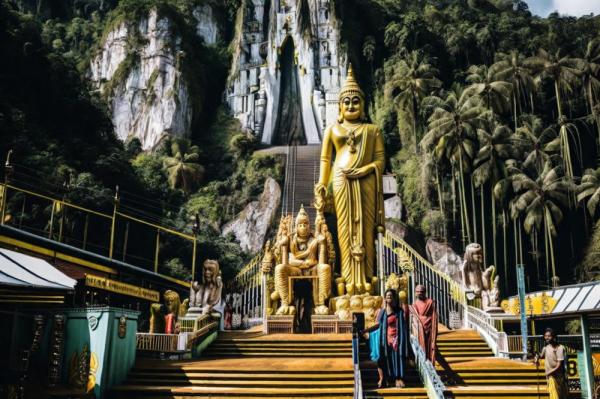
302	215
351	86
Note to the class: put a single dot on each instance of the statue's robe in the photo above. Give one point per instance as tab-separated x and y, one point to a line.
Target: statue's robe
428	317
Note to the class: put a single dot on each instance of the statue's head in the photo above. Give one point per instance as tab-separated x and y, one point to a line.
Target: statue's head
172	301
474	254
352	100
302	223
210	271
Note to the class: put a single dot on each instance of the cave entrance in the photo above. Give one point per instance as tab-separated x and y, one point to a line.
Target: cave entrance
289	128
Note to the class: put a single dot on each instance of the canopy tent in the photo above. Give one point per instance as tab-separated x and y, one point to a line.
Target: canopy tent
27	279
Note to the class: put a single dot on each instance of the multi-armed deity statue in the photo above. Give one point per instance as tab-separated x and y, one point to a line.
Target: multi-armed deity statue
354	180
302	253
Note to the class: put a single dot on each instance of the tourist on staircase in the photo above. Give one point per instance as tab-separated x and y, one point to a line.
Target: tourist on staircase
393	338
555	366
425	308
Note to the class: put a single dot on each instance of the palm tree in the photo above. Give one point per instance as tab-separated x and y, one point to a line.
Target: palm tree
565	75
494	92
561	70
589	67
536	141
495	147
452	136
589	190
540	199
511	67
411	79
183	169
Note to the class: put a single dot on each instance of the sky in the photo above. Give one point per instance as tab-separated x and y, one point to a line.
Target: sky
570	7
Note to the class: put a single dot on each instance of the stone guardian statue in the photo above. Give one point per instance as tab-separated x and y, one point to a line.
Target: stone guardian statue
206	296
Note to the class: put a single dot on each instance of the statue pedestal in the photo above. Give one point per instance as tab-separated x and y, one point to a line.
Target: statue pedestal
330	324
280	324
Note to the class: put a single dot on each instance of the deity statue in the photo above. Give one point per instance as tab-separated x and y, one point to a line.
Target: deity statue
207	296
356	183
301	254
163	319
490	295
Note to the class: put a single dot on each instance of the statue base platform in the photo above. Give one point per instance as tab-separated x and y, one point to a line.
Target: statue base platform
330	324
280	324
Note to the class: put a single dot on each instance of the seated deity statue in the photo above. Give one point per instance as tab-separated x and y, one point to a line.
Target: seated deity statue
471	269
206	296
301	254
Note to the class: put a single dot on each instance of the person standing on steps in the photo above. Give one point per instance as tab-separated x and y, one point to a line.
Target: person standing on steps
391	323
555	366
426	310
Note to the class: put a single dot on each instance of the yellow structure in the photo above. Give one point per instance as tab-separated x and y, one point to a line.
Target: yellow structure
355	181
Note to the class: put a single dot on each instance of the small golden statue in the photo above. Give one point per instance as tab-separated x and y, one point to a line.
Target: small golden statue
167	323
301	254
356	181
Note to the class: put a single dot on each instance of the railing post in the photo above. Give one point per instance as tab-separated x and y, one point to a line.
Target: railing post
113	224
381	275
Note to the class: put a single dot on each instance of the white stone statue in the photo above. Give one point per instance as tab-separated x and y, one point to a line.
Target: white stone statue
207	296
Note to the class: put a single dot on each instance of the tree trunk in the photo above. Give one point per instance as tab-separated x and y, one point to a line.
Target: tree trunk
557	91
474	214
483	240
494	228
505	247
464	196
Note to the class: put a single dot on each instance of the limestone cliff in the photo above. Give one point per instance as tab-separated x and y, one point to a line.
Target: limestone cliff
139	70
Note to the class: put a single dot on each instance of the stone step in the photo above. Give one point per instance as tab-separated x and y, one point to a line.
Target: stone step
258	375
142	391
325	384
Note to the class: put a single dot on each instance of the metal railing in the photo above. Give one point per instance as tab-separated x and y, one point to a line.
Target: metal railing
157	342
191	324
399	257
100	232
248	283
486	326
431	380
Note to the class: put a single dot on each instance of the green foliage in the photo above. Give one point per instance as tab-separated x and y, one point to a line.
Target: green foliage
590	265
407	167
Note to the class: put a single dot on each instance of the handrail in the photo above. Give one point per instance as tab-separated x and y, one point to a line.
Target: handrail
399	257
431	380
358	388
484	324
249	282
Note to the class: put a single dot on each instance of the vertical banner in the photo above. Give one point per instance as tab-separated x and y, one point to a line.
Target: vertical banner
583	376
522	312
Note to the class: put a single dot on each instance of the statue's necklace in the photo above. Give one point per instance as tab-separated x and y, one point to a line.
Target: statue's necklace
351	139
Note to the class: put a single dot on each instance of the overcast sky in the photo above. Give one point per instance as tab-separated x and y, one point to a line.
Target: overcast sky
570	7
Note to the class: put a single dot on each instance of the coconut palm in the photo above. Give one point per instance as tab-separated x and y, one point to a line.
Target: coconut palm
182	167
483	83
589	67
561	70
495	147
411	79
511	67
537	142
452	136
589	190
540	200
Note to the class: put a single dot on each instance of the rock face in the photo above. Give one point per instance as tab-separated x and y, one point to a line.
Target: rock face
255	81
444	258
393	207
251	225
147	93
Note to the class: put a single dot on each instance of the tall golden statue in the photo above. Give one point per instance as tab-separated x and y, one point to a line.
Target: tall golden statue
356	184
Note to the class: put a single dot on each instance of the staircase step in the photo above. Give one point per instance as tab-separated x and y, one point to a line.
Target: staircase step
243	383
125	391
272	375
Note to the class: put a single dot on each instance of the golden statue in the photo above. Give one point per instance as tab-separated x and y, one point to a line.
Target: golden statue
357	187
301	254
174	308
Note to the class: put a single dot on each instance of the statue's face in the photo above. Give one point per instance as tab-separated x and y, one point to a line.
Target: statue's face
477	256
302	229
170	304
351	108
209	274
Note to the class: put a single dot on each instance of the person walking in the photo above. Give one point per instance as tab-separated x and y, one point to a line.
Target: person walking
554	355
392	328
426	310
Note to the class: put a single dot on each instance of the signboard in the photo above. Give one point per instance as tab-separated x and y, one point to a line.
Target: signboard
521	291
121	288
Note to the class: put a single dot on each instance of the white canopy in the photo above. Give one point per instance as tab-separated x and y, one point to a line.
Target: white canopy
18	269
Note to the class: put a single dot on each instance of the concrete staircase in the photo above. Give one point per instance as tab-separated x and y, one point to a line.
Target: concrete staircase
469	370
302	172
